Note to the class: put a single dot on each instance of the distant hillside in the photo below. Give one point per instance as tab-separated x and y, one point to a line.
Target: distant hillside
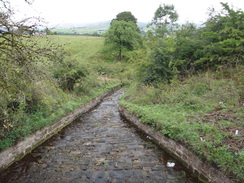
96	28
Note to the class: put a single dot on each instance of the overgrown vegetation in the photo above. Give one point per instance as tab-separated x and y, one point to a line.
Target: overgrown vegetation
172	51
43	77
123	35
190	84
26	84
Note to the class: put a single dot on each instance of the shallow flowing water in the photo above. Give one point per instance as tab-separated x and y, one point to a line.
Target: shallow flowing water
98	147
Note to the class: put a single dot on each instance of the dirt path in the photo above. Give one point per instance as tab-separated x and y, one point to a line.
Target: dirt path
98	147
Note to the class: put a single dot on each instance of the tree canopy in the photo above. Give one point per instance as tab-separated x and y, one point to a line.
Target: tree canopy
223	38
164	20
126	16
174	50
123	34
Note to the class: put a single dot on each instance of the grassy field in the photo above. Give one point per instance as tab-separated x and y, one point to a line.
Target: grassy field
82	31
88	51
80	45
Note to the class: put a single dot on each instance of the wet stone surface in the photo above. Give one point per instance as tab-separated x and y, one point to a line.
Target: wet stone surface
98	147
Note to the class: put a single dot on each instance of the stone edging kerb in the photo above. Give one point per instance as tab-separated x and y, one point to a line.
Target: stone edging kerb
190	160
18	151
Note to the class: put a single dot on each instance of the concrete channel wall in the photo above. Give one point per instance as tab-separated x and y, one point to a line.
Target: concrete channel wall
18	151
189	159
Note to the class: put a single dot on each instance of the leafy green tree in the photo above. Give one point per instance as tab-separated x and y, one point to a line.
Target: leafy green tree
185	49
24	66
122	37
223	39
160	58
164	20
126	16
186	46
161	45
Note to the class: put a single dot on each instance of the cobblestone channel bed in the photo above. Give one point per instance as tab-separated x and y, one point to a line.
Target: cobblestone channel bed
98	147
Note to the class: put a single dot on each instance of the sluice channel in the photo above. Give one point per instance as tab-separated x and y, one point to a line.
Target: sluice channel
98	147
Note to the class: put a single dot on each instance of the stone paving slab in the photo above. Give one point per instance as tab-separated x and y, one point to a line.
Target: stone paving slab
98	147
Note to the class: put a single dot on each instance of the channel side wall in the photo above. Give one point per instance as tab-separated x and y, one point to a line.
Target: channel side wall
189	159
18	151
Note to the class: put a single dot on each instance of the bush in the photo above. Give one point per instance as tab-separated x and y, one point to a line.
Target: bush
69	73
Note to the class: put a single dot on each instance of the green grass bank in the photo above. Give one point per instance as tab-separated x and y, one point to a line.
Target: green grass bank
204	112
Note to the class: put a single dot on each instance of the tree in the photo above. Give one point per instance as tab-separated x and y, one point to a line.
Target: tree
164	20
160	62
161	46
122	36
222	39
125	16
24	65
187	44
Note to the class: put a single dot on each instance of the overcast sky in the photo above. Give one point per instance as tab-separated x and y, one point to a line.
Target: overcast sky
84	11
